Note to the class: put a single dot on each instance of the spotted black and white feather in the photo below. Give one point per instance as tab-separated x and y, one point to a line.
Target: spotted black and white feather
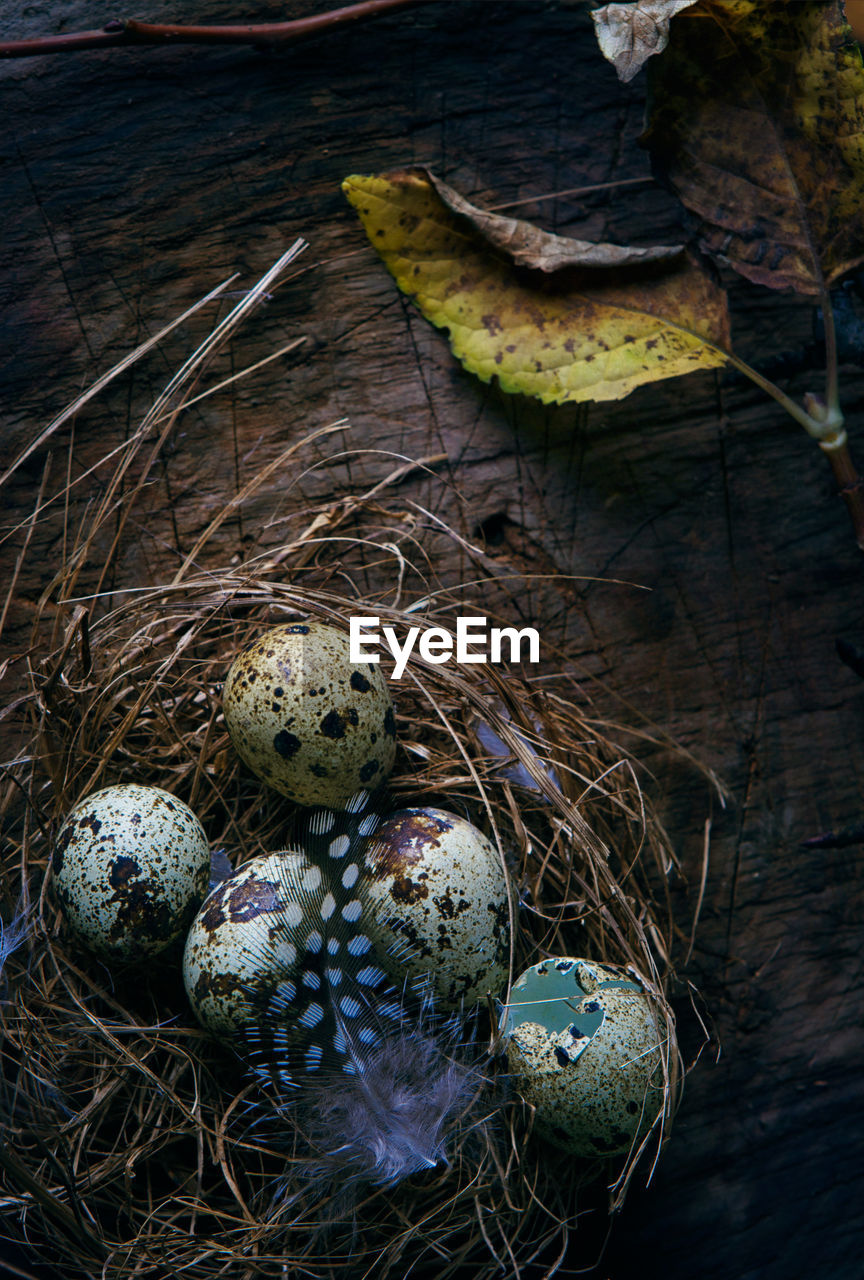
369	1075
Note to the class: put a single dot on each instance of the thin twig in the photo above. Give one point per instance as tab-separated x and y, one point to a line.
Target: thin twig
573	191
128	31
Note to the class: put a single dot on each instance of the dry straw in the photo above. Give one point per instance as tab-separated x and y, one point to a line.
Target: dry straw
129	1145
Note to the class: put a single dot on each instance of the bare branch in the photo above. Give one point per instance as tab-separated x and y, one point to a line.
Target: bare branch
128	31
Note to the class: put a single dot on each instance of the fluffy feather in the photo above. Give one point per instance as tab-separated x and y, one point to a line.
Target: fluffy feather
12	935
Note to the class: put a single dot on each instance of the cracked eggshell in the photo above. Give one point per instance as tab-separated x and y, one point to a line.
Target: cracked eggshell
236	949
309	722
131	864
438	900
585	1051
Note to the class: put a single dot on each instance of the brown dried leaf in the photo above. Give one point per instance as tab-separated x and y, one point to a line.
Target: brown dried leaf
757	122
527	246
630	34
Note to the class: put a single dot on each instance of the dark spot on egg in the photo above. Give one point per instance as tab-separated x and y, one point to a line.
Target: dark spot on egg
213	913
500	923
409	891
252	898
91	821
298	629
215	985
592	1007
122	870
564	966
632	1107
448	908
319	770
359	682
390	723
142	912
369	769
402	842
286	744
561	1056
59	850
333	725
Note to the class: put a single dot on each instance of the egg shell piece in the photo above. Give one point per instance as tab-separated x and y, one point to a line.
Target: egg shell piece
309	722
131	865
438	903
585	1051
223	960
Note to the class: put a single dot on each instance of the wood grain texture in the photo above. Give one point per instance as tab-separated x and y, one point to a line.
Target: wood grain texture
132	181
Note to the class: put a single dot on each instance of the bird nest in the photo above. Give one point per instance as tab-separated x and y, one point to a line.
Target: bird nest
129	1143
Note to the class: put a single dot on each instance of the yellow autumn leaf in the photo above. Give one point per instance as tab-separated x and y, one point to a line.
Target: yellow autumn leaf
583	332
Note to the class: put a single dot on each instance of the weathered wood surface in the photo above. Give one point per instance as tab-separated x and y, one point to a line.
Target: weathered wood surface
133	181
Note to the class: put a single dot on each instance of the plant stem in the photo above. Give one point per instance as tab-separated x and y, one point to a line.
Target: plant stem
128	31
810	424
849	483
832	392
826	427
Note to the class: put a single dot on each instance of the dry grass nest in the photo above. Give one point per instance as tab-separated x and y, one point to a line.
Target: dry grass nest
127	1148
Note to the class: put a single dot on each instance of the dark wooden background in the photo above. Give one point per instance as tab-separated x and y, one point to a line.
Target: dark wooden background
132	181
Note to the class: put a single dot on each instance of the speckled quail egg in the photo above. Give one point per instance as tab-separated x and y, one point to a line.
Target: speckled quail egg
240	943
131	865
584	1048
438	904
308	721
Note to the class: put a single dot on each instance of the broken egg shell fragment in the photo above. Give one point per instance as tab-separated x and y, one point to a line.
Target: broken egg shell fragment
309	722
131	864
239	944
438	904
585	1051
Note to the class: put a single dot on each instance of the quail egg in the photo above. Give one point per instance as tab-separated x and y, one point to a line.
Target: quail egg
131	864
308	721
585	1050
438	904
240	943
